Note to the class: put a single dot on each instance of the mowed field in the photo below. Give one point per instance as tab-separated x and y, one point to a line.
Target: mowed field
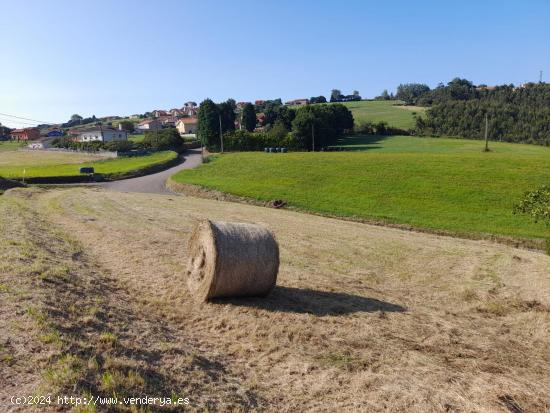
393	112
364	318
16	164
433	183
6	146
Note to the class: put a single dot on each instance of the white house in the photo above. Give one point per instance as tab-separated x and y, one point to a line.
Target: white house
186	126
101	134
149	125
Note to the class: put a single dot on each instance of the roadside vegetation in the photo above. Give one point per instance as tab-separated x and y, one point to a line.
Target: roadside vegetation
434	183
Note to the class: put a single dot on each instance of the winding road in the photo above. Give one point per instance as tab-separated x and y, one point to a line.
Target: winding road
155	183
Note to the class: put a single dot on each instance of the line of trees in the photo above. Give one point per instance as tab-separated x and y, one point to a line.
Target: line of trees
306	128
337	96
214	119
519	115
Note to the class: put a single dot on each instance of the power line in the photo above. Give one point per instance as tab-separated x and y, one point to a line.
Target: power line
17	122
20	117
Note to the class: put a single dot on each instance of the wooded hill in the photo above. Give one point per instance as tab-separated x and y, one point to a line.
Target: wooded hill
515	114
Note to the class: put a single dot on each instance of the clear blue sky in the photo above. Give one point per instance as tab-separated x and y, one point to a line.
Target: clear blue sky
60	57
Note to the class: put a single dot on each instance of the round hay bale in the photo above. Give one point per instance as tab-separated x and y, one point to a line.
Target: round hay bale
229	259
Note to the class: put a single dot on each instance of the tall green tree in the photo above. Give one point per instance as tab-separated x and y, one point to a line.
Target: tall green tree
410	93
335	95
227	114
208	128
317	126
278	132
318	99
249	117
286	116
127	125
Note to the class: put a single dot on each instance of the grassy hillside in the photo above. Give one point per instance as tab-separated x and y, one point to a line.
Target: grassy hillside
425	182
47	164
392	112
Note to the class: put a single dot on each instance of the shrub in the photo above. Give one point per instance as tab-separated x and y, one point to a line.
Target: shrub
162	139
537	204
242	140
277	133
379	128
119	146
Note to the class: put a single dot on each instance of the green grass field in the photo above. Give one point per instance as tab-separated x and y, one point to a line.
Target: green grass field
392	112
136	138
43	164
6	146
433	183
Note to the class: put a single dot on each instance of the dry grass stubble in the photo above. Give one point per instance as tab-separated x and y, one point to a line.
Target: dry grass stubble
364	318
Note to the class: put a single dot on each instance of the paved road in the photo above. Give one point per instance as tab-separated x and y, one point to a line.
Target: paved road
155	183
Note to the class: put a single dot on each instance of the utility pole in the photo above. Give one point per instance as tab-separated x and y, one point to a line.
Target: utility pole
221	135
486	135
313	136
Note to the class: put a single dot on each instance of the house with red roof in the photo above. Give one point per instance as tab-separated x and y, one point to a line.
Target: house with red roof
149	124
25	134
297	102
158	113
187	126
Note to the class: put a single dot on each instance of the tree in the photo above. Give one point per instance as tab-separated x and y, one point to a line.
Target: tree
384	95
163	139
4	131
318	99
335	95
278	132
76	118
317	126
232	103
303	127
127	125
227	115
208	124
342	118
249	117
271	110
355	93
411	92
515	114
286	116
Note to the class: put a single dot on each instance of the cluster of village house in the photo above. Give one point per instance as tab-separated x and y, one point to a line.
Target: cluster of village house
184	120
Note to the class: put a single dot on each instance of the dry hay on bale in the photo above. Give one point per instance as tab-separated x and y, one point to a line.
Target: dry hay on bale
231	259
